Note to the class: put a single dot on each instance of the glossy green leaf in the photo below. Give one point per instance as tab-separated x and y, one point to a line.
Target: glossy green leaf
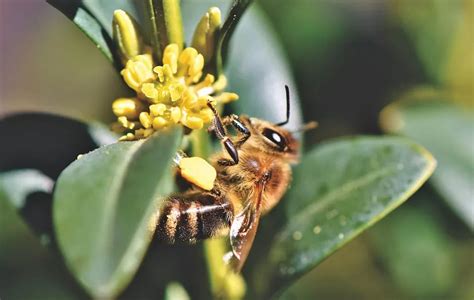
339	189
19	184
24	262
32	160
30	193
258	71
41	132
94	18
447	130
413	239
104	207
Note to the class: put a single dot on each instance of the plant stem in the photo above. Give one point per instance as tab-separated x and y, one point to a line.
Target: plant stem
223	282
168	22
154	34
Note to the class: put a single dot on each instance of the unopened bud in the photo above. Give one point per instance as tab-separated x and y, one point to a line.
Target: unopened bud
126	35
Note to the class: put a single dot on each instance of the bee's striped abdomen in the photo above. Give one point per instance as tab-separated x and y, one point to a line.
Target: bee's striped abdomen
193	216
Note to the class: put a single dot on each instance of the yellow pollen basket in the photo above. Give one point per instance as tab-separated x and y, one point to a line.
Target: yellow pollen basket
198	172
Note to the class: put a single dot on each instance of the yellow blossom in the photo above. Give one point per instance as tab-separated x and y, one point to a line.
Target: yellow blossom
175	91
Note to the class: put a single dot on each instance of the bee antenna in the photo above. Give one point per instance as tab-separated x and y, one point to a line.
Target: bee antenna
287	90
307	126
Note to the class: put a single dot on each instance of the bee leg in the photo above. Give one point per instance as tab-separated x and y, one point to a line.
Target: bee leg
239	126
225	162
219	128
192	216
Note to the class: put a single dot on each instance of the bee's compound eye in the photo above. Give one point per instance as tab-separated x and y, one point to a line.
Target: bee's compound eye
275	138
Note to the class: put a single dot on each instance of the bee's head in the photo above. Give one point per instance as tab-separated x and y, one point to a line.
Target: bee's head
277	139
273	138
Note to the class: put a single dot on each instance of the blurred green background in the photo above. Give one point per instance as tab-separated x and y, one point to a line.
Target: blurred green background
350	59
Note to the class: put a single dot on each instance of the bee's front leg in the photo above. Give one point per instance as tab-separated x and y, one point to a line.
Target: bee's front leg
239	126
219	129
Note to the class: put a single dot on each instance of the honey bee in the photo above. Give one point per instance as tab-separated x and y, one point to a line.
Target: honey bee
253	173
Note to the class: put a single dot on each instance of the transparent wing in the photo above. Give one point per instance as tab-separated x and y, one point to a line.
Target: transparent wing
243	230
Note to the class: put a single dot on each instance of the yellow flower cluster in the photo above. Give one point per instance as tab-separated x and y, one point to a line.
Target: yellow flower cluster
171	93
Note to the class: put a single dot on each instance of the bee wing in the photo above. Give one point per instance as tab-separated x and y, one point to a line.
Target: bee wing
243	230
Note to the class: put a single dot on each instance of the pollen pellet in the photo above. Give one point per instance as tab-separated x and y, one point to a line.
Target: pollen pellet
198	171
145	119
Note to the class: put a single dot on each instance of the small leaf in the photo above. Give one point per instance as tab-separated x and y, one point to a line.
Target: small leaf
104	207
46	142
339	190
447	130
39	147
94	18
19	184
30	193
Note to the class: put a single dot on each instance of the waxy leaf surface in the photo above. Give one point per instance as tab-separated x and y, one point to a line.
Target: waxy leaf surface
447	130
340	188
105	207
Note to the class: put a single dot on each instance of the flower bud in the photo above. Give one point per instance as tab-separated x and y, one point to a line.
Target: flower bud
204	37
128	107
126	35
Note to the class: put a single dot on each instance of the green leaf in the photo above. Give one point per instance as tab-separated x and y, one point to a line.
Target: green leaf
339	190
30	193
25	262
413	239
432	25
447	130
104	207
32	160
258	71
19	184
34	144
94	18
